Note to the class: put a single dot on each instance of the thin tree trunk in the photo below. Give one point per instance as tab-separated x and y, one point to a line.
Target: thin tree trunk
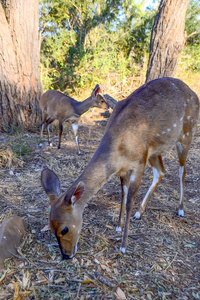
20	86
167	38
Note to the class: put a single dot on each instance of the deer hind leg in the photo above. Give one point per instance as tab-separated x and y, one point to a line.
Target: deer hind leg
124	187
182	147
135	180
158	173
75	130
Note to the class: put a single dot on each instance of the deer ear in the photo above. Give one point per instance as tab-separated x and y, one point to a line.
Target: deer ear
50	184
96	91
76	195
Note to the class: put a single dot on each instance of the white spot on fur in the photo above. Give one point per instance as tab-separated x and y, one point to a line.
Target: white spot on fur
185	104
118	229
163	132
181	119
157	134
73	226
188	117
174	125
183	136
188	133
169	129
122	250
181	213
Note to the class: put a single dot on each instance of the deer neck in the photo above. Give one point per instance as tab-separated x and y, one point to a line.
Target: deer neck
82	107
94	177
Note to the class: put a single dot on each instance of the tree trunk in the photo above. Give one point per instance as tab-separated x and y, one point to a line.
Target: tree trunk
167	38
20	85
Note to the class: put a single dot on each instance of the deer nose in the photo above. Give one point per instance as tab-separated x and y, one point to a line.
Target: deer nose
65	256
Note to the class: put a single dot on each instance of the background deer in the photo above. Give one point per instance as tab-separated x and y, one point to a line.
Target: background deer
58	106
160	114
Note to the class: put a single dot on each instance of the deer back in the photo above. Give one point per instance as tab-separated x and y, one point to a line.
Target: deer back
151	120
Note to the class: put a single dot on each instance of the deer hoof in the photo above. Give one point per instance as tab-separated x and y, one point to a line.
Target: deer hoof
122	250
118	229
181	213
137	216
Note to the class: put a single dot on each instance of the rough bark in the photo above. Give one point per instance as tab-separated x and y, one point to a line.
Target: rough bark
20	85
167	38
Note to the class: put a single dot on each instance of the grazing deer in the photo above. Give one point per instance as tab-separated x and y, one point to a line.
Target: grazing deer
57	106
143	127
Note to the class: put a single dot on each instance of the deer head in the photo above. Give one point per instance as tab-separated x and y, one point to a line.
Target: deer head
98	100
65	214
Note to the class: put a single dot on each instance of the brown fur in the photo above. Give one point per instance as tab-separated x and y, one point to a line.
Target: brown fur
58	106
141	129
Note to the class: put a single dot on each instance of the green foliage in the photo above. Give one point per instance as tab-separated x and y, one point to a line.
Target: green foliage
191	53
88	42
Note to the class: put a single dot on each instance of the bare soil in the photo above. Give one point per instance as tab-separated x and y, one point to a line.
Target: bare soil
163	256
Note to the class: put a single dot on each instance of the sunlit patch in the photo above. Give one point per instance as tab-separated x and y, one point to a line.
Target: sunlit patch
174	125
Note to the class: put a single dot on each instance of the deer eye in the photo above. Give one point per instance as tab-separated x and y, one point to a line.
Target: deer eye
64	231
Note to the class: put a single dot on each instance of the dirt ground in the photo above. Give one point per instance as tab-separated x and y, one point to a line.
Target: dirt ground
163	255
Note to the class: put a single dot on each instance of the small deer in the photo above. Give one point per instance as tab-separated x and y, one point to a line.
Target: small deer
143	127
58	106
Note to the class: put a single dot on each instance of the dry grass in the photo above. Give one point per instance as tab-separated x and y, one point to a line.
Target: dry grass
162	259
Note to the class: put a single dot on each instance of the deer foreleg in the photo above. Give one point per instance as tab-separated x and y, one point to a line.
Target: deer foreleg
124	187
132	192
75	130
